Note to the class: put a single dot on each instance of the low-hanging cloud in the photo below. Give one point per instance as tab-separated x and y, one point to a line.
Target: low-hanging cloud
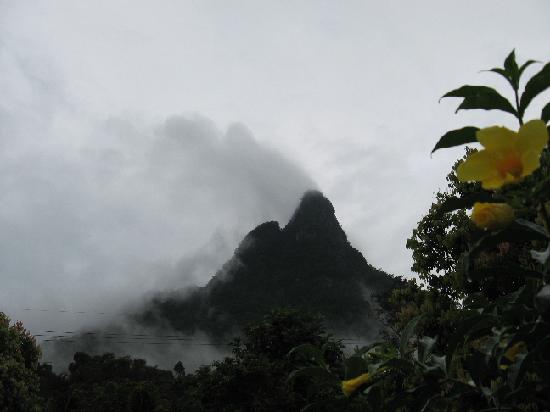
94	214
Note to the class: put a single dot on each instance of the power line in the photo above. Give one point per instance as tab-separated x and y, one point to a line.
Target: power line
79	312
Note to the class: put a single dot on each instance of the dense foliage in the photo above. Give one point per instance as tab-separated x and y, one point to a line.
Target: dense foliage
19	354
254	378
476	334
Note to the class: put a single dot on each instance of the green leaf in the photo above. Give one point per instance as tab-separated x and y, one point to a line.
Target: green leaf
512	69
525	65
457	137
536	85
481	97
545	114
407	334
465	202
502	72
518	231
511	72
510	64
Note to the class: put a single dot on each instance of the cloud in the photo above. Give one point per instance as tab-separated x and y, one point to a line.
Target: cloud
96	212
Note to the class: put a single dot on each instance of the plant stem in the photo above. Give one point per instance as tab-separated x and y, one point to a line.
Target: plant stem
520	118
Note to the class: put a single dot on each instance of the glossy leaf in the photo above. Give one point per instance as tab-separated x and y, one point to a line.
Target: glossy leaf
481	97
457	137
536	85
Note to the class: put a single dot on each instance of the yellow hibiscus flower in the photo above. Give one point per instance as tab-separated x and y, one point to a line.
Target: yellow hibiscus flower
491	216
507	156
350	386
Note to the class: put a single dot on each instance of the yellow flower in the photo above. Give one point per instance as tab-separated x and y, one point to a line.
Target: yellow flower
350	386
507	156
512	353
491	216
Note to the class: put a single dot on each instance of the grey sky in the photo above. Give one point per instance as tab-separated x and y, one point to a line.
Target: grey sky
118	162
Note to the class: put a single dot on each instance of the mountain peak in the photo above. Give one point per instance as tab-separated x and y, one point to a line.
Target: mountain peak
309	264
315	218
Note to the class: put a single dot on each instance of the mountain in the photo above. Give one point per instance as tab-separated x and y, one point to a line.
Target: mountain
308	264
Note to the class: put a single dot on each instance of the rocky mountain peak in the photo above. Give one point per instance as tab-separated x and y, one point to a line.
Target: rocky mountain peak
315	218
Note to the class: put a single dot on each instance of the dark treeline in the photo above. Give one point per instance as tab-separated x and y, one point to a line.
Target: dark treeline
254	378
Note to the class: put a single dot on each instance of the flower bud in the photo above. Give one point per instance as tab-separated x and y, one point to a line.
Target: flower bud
491	216
350	386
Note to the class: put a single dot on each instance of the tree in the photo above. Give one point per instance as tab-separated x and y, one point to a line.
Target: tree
255	378
19	381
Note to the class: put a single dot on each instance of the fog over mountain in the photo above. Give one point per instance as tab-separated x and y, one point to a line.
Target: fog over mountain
306	264
94	216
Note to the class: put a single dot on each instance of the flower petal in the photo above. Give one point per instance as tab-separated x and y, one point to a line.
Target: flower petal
497	138
531	162
477	166
533	135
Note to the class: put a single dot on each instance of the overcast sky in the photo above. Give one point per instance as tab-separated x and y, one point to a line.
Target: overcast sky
140	140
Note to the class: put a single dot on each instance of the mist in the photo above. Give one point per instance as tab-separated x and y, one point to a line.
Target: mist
96	212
